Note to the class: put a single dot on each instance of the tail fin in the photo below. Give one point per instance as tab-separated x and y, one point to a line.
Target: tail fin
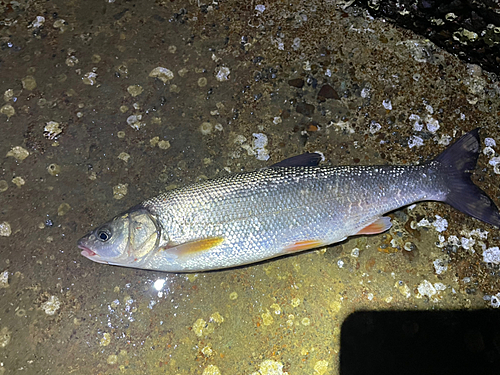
455	163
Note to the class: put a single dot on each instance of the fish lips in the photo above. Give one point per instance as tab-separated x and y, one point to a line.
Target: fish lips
86	252
89	254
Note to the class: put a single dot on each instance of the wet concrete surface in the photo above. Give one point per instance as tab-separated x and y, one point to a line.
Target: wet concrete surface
92	127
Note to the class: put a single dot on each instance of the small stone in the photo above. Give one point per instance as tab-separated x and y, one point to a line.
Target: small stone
202	328
305	109
162	74
54	169
217	318
4	279
105	340
222	74
119	191
89	78
296	82
8	111
52	129
156	120
51	306
206	128
8	95
267	318
3	186
211	370
135	122
425	288
154	141
19	153
321	367
327	92
403	289
124	156
5	336
233	296
29	83
18	181
164	145
492	255
202	82
63	209
259	146
112	359
135	90
72	61
270	367
38	22
207	351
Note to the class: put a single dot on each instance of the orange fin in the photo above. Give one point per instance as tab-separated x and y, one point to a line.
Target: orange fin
302	245
195	246
380	225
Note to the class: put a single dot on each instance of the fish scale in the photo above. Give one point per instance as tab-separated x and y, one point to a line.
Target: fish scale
273	203
251	216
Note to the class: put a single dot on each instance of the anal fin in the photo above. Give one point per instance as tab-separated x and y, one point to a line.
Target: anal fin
302	245
378	226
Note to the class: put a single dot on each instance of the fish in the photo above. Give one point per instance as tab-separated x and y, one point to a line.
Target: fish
289	207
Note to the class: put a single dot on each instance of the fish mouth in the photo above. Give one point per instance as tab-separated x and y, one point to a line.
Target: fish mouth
86	252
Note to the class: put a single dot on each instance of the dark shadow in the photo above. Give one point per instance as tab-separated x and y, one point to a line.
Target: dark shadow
421	342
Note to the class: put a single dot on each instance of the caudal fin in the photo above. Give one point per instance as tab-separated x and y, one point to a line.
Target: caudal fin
455	163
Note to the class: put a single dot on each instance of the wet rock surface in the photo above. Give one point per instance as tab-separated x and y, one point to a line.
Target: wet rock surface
470	29
105	104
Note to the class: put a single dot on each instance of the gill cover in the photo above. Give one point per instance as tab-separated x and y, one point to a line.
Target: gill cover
144	234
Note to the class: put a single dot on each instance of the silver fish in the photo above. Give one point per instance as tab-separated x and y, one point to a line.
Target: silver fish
289	207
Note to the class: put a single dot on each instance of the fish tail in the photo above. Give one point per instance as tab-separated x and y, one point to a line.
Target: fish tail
455	165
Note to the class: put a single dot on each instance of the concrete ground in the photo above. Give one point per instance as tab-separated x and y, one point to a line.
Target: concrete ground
108	103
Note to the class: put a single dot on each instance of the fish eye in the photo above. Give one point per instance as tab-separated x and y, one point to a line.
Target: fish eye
103	234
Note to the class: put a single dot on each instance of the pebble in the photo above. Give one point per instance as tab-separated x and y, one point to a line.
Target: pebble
135	90
18	153
51	306
29	83
8	111
327	92
18	181
89	78
119	191
163	74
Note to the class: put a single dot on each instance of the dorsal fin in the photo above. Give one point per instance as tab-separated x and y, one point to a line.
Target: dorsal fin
309	159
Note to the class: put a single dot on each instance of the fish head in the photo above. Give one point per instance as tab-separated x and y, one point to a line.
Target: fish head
125	240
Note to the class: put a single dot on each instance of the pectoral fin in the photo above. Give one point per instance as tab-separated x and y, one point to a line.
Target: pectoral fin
380	225
193	247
